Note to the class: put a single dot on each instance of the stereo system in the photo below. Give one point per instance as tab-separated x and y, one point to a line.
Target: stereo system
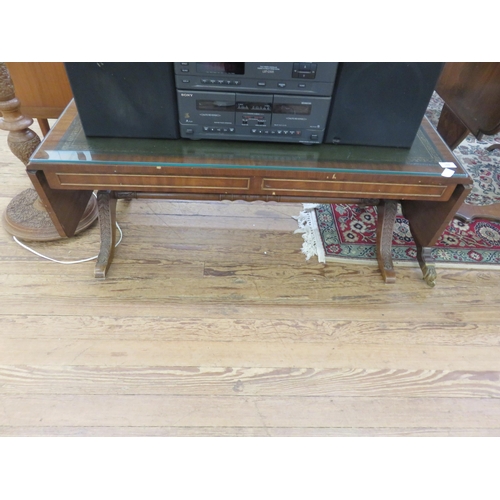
372	104
285	102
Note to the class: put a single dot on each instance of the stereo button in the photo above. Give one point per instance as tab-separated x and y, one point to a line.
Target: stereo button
304	70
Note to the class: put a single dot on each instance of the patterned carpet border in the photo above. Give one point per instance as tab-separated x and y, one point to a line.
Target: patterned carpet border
347	233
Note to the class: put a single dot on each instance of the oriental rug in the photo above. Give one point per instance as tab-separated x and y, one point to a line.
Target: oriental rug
348	232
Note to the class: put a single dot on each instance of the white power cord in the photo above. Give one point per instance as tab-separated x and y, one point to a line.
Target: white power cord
67	262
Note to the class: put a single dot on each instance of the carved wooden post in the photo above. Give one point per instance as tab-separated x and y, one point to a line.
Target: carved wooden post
22	140
25	216
386	217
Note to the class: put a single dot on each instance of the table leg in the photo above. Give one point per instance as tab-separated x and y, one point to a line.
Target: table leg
106	203
428	220
427	264
386	217
44	125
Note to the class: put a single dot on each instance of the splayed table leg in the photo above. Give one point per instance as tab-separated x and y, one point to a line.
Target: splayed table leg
106	203
427	264
427	221
386	216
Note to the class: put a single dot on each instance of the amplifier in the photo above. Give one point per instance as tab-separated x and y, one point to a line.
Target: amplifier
267	78
271	102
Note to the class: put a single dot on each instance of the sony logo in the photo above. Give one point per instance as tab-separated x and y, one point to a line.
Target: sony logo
186	95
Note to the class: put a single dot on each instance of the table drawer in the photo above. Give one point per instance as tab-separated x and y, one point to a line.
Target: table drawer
340	186
160	182
356	189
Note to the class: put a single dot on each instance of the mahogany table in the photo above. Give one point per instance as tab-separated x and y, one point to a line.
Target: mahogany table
68	167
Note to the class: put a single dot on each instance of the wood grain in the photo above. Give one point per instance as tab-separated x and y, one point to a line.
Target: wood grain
212	323
259	354
42	87
200	431
242	381
217	411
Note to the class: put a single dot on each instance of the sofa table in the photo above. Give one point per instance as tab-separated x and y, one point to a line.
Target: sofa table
68	167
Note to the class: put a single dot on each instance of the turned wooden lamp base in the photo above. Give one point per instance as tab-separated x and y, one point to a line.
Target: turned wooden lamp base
26	218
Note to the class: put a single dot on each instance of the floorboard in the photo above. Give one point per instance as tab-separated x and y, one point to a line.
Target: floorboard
213	323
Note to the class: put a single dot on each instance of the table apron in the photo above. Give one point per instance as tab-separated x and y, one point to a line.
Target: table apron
266	185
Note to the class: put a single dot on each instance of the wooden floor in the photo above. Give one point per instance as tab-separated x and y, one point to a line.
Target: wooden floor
212	323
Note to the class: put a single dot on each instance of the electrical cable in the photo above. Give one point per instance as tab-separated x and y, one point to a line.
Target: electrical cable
62	261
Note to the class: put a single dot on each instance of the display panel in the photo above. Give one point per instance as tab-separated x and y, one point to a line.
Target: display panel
208	105
224	68
292	109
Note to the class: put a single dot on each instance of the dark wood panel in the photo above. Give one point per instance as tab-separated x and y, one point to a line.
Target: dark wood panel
471	90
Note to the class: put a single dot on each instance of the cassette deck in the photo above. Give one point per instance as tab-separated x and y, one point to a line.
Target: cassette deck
272	102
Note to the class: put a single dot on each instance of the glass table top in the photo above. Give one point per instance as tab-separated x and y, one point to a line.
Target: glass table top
67	144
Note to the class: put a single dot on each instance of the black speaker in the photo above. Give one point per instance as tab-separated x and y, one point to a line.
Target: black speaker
125	99
380	104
